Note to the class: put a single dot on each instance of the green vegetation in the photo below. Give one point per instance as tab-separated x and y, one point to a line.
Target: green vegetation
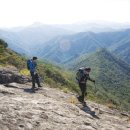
57	77
3	45
112	78
53	75
111	74
9	57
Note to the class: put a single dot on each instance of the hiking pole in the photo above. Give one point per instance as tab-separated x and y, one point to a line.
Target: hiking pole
95	88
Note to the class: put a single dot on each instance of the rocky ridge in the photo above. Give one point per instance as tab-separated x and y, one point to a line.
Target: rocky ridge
53	109
11	74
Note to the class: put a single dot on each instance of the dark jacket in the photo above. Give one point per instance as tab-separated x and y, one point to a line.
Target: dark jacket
84	78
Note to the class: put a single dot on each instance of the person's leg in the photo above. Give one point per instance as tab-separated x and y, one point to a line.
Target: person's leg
79	97
84	92
33	80
37	80
81	85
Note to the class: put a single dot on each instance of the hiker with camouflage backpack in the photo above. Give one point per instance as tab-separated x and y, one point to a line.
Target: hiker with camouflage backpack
82	76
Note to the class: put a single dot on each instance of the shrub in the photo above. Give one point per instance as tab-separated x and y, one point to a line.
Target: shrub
3	43
25	72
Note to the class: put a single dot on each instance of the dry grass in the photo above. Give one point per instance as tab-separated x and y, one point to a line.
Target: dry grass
111	106
73	100
65	90
128	120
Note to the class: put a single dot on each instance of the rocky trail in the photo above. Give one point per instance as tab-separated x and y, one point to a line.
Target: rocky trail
52	109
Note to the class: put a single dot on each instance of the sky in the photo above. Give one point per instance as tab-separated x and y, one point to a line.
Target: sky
25	12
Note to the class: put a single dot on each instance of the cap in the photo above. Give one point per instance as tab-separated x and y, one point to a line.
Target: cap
88	69
35	58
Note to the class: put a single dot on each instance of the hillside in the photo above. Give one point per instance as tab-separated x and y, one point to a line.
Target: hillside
51	74
106	65
48	107
112	76
9	57
122	50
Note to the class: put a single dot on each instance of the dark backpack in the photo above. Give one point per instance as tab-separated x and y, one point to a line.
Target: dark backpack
28	64
80	74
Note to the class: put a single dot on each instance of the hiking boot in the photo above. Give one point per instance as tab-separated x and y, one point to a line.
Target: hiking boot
80	99
39	86
33	90
84	103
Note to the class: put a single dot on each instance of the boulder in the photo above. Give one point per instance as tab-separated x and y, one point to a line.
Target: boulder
11	74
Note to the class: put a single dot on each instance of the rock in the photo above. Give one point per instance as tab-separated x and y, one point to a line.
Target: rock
50	109
125	114
11	74
4	91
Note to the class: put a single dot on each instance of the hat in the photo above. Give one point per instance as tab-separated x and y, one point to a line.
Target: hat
87	69
35	58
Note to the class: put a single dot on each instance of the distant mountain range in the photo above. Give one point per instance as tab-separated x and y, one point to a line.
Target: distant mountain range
95	26
66	48
63	43
25	40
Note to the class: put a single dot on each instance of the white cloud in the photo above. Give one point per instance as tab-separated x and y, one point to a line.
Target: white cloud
23	12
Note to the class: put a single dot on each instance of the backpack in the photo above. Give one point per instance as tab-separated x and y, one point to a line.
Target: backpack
28	64
80	74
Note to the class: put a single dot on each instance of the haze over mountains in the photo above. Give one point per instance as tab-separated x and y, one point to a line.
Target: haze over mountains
62	43
22	39
66	48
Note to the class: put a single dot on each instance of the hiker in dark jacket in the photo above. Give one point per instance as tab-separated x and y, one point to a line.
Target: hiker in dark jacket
33	72
82	83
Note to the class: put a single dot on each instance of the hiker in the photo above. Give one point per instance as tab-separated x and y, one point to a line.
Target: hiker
32	64
82	77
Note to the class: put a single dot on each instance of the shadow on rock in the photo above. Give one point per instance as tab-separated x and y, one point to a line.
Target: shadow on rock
87	109
28	90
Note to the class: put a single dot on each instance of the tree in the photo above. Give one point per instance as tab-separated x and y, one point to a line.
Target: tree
3	43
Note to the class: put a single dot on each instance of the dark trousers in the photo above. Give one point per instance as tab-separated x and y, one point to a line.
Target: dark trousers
35	79
83	89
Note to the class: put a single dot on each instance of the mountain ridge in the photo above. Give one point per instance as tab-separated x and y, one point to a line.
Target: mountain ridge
64	48
112	75
35	39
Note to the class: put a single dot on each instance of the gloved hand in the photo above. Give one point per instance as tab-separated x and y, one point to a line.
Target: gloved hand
94	81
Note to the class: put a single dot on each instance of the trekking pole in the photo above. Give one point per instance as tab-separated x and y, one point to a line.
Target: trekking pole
95	88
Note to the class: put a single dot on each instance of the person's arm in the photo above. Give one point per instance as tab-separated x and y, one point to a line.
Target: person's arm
92	80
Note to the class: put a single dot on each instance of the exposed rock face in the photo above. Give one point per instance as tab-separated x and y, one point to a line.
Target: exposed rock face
11	74
51	109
